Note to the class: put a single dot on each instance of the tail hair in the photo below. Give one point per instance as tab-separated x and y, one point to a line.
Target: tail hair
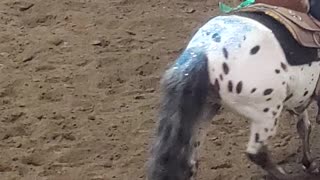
184	91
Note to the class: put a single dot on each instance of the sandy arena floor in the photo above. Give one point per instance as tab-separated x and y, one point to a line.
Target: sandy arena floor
79	86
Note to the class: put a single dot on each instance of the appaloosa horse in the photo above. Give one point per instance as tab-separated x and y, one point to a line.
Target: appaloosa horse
250	63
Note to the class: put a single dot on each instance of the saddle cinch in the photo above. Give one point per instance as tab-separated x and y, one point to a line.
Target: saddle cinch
303	27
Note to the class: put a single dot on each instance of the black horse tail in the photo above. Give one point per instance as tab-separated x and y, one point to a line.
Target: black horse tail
185	88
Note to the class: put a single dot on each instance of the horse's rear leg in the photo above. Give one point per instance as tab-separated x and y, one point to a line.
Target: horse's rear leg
262	128
304	130
264	124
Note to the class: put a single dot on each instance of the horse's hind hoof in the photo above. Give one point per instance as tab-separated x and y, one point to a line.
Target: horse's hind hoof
314	167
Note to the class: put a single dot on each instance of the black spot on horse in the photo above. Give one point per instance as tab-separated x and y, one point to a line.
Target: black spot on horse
276	122
255	50
267	92
253	90
277	71
274	113
230	86
278	107
305	93
221	77
225	53
239	87
216	85
266	130
269	99
283	83
291	112
244	38
257	137
225	68
283	66
216	37
265	109
288	97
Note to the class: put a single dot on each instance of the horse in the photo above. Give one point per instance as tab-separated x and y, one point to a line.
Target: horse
249	63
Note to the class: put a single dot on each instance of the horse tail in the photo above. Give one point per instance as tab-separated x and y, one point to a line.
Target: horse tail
184	91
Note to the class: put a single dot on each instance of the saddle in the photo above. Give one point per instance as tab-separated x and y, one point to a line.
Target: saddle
303	27
297	5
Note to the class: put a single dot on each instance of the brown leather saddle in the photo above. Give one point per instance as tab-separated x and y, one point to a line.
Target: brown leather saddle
297	5
303	27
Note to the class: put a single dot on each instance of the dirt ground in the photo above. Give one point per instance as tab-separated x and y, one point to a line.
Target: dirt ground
79	86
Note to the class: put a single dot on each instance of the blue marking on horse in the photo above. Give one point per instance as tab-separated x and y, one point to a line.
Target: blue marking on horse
211	34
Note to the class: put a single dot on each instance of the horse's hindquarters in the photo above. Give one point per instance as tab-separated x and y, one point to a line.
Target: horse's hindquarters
248	63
